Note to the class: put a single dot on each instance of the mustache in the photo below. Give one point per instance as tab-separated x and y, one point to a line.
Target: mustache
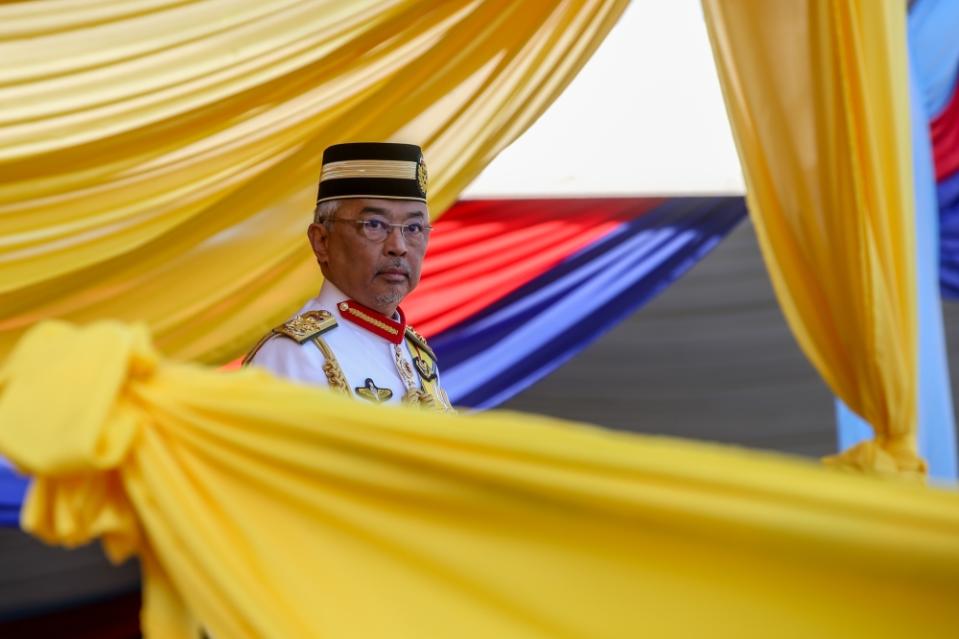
396	265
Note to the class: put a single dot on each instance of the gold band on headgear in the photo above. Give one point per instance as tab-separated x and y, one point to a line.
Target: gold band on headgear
394	169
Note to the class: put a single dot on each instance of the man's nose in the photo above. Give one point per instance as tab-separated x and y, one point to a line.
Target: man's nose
395	243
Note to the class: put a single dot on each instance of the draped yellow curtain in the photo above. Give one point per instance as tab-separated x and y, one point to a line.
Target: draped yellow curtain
267	509
158	158
816	91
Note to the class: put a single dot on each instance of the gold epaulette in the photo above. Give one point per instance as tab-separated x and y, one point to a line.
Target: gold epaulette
300	328
306	326
420	341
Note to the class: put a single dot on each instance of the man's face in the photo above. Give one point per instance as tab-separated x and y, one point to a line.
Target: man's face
376	274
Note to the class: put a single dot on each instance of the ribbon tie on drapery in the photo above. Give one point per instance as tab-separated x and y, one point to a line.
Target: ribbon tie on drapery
884	456
79	431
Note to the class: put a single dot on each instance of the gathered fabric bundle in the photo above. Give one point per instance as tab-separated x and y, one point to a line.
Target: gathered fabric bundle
261	508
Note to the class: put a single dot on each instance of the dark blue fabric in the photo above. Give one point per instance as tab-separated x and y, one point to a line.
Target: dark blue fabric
948	192
12	488
497	353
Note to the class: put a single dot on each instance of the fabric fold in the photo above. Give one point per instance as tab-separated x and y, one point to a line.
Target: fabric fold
83	410
817	96
67	419
262	508
168	174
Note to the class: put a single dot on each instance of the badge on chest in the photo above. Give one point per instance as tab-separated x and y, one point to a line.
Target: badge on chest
373	393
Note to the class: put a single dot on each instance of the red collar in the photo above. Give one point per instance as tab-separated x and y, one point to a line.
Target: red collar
374	321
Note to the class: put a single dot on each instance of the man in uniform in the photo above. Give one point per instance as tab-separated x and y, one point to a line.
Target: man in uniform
369	234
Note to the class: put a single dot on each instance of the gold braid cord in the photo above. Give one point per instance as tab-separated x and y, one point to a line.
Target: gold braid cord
419	397
256	349
334	374
429	395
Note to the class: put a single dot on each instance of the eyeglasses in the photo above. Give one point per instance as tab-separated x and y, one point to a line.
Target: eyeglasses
378	230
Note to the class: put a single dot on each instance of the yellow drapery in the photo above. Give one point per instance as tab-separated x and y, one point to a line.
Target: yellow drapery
278	510
816	91
158	158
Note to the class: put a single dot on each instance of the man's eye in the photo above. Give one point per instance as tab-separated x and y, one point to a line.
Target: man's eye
374	225
414	228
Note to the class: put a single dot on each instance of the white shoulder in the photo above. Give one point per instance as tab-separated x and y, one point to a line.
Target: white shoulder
292	360
289	351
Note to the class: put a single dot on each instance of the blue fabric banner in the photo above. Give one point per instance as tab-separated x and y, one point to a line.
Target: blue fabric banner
934	51
948	194
934	47
12	489
495	354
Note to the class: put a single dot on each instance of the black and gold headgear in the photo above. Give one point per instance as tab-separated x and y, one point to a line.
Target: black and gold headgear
373	169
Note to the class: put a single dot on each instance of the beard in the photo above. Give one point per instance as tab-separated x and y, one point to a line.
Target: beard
390	298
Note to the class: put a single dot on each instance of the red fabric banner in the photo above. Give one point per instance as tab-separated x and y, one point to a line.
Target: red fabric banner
945	138
482	250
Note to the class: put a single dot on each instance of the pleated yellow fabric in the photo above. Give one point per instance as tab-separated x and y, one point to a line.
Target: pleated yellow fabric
159	158
816	91
267	509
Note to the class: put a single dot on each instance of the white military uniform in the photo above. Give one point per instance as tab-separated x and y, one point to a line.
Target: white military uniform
320	345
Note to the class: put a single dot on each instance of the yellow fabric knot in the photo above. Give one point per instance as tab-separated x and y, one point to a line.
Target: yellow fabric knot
65	417
890	457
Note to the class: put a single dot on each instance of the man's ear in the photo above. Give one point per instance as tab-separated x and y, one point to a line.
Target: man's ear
319	237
